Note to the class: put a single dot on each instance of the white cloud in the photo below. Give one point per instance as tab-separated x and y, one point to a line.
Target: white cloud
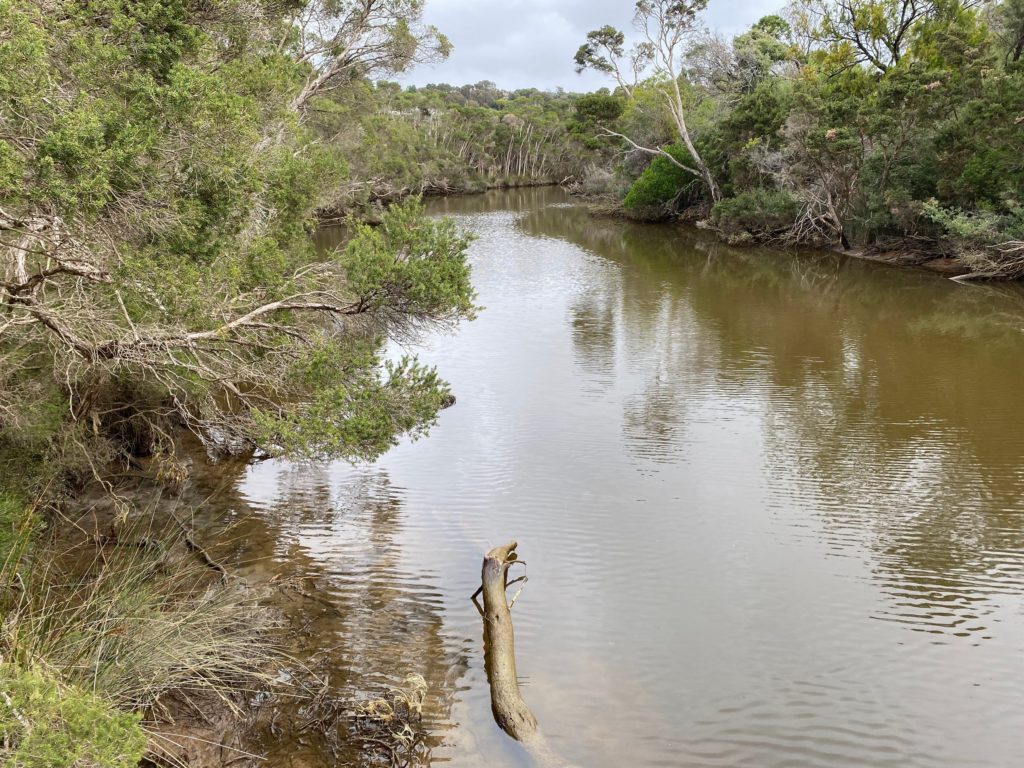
530	43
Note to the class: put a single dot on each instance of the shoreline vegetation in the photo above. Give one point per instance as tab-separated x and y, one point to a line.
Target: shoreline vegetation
895	127
162	166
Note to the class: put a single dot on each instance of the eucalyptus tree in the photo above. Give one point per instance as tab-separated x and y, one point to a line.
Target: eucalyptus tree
342	40
666	28
605	52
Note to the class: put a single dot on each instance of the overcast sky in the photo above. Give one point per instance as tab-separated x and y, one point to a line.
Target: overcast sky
530	43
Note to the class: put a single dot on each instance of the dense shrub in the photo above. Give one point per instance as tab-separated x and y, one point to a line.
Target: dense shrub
658	185
44	724
758	210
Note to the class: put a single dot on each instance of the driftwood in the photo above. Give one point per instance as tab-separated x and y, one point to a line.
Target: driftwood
510	711
198	551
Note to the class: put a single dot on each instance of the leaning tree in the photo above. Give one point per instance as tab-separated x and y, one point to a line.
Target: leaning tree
666	28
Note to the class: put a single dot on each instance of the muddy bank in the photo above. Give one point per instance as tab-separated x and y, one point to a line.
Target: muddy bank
294	708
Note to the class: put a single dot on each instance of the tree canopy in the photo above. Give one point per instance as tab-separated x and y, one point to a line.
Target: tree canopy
159	183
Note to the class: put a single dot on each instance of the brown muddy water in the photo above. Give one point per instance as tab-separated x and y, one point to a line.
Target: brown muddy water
771	506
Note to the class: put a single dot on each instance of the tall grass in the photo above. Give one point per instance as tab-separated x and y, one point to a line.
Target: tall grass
126	623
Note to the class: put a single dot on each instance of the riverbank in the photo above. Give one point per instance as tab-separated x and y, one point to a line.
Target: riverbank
369	206
148	645
201	645
940	256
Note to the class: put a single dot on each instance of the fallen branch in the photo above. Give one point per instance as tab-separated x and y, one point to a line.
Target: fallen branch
510	711
198	551
659	152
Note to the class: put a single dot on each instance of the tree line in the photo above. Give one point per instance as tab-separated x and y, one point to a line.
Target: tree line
443	139
887	123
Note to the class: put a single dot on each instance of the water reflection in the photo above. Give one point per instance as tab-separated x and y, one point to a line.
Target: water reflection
593	335
887	397
771	505
361	620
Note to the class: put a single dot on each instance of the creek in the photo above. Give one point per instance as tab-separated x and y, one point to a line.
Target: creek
771	506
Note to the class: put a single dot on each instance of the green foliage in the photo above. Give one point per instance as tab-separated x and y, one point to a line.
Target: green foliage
890	107
356	410
594	113
756	210
658	185
759	50
160	180
759	114
409	256
1010	24
602	46
976	227
44	724
161	142
413	270
599	108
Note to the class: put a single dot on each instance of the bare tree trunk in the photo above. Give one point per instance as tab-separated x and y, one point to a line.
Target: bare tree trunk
679	114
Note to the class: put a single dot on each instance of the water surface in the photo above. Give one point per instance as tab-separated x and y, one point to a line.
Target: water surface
771	506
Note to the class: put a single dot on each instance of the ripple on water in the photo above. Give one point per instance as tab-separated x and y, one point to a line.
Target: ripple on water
770	517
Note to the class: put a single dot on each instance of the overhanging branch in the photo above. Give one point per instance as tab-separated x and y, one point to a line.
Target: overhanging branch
656	152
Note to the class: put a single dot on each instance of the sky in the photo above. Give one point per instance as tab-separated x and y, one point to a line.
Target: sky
530	43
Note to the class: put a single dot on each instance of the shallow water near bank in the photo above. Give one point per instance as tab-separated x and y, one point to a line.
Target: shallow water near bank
771	508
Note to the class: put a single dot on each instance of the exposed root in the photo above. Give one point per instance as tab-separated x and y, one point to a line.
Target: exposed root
391	729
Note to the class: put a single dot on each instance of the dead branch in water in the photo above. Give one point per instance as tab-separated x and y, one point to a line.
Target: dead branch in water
198	551
510	711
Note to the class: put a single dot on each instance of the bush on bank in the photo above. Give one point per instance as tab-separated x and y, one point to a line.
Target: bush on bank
761	211
159	176
47	724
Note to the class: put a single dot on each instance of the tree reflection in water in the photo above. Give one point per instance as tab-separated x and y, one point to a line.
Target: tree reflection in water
357	617
856	373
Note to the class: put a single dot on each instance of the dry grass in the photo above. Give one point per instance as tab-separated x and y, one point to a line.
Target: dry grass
133	621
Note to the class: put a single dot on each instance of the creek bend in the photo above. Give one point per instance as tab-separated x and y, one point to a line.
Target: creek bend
772	507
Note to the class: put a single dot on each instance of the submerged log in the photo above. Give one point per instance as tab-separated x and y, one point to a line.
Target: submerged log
510	711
